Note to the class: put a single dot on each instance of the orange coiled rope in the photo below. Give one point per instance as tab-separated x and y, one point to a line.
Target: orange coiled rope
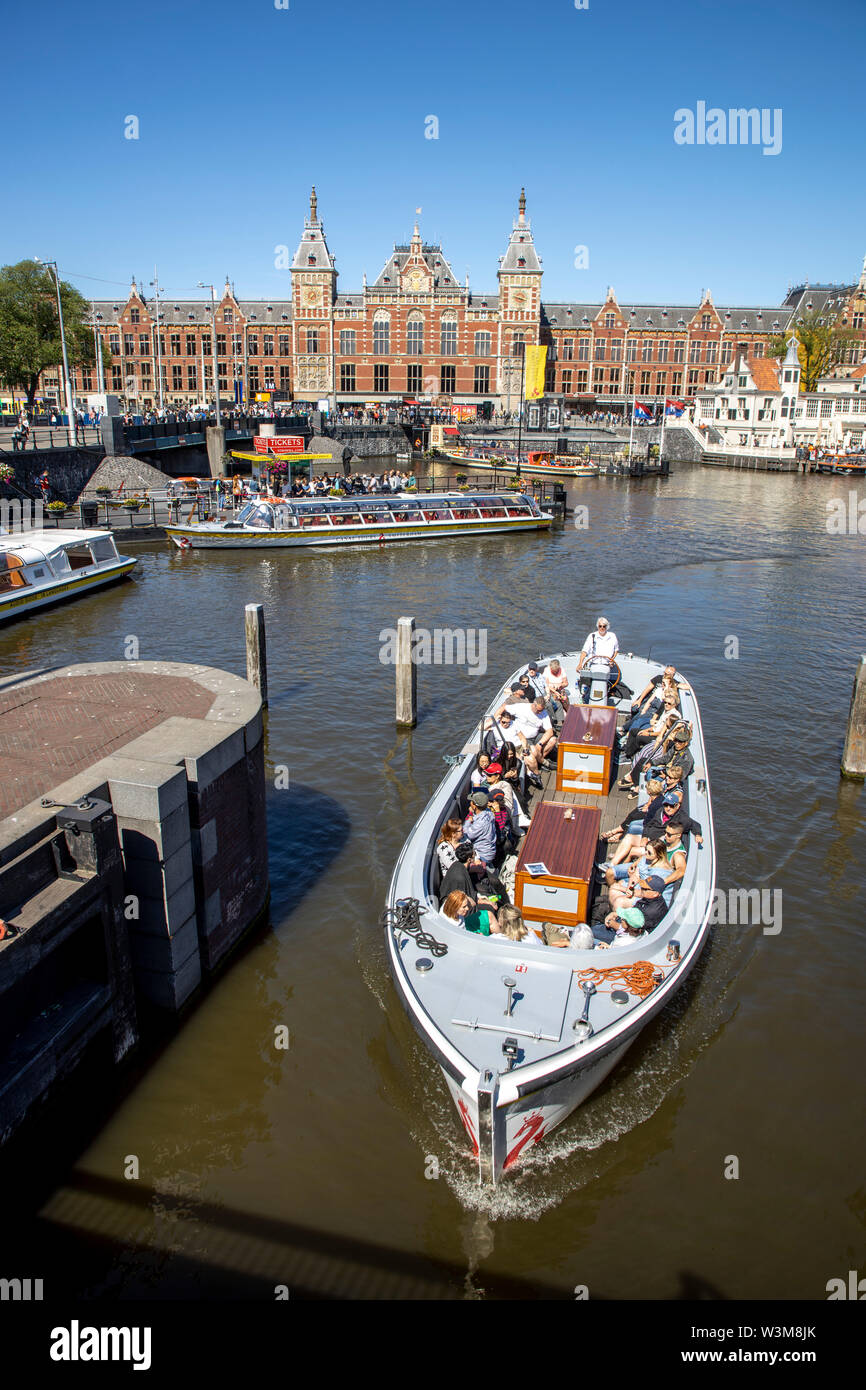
637	979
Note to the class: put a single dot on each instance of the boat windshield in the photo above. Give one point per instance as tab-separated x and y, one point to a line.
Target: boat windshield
259	514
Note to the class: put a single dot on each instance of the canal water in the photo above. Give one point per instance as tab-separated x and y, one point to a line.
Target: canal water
316	1166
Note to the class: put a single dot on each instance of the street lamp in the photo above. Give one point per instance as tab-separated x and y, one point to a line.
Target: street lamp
70	409
216	379
156	290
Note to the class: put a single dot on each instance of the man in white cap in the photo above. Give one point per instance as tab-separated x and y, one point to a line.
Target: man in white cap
602	642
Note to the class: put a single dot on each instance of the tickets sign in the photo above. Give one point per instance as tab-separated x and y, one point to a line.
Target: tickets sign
279	443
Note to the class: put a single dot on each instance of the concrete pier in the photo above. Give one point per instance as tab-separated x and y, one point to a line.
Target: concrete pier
159	890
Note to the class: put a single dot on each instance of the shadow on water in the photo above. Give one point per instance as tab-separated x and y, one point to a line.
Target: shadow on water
307	830
248	1254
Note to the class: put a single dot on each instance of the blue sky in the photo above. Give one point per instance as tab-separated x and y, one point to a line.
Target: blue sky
241	106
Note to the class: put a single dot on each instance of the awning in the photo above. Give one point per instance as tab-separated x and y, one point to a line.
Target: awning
410	400
450	429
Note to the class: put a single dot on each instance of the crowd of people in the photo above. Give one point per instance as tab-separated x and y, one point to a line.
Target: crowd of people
646	855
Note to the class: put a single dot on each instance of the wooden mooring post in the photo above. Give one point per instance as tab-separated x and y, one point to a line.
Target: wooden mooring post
854	752
257	651
407	682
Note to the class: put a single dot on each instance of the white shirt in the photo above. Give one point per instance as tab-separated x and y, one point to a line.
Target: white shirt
601	644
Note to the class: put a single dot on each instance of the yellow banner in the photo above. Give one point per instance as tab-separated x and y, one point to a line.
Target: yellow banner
536	360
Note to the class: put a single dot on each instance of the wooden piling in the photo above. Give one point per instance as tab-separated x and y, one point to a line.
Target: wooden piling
854	752
407	683
257	652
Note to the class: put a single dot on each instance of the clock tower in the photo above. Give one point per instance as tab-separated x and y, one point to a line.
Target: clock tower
519	304
314	292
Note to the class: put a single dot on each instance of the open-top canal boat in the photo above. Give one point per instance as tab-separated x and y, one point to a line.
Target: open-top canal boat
328	521
38	568
524	1031
538	463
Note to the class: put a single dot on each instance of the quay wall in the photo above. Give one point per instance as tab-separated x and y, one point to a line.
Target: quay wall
69	470
179	874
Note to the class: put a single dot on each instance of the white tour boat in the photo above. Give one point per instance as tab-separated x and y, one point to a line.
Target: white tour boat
266	523
524	1032
42	567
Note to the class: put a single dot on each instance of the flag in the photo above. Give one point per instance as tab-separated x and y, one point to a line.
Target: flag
536	360
417	212
674	408
642	412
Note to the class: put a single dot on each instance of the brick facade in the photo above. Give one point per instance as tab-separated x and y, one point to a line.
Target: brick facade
417	332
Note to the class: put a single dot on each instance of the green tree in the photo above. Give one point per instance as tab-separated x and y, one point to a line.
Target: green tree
30	327
820	346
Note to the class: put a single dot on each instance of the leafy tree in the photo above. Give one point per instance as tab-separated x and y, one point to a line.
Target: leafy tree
820	346
30	326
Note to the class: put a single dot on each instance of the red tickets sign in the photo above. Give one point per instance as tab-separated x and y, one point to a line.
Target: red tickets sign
279	443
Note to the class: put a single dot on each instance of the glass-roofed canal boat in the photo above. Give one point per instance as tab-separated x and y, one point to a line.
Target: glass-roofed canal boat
265	523
38	568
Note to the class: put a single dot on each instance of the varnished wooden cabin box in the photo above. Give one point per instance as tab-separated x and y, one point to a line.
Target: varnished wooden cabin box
585	753
567	849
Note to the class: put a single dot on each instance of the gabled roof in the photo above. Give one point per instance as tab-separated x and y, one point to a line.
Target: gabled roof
764	372
434	259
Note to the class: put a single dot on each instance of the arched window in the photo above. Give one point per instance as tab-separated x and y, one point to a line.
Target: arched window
415	335
381	333
448	346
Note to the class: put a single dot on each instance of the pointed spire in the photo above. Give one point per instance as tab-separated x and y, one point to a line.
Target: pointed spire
862	281
133	289
521	206
611	294
314	217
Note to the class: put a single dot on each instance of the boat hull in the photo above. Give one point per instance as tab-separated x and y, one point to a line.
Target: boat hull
18	605
203	538
527	470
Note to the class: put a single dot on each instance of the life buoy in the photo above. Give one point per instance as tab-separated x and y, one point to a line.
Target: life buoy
184	543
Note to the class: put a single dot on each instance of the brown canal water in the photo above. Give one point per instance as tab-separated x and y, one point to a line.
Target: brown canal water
312	1167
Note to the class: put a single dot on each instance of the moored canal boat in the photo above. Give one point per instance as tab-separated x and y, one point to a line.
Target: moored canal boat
372	520
524	1032
38	568
538	463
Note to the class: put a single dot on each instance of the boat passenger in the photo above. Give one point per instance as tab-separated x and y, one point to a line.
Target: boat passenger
520	727
506	835
513	928
668	676
479	827
459	908
678	754
675	853
649	755
646	727
556	685
534	680
460	875
479	778
623	880
653	898
620	929
449	837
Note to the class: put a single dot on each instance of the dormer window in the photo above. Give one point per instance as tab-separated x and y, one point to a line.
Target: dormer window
521	238
664	313
284	316
521	260
311	260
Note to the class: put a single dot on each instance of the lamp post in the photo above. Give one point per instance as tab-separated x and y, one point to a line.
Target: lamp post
70	409
156	290
215	368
